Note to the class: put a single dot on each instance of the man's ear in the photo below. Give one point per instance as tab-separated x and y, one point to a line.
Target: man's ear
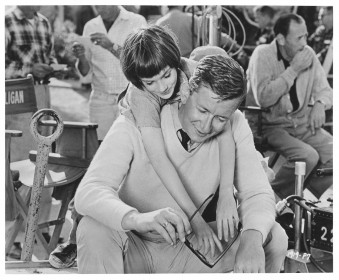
281	39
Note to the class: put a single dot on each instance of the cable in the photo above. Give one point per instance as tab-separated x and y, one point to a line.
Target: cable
225	11
248	19
313	260
231	29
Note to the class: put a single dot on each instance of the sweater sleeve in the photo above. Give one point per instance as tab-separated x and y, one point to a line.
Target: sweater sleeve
145	107
255	195
321	89
97	195
267	88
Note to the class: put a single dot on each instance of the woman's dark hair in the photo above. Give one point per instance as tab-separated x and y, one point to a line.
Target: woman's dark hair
282	25
148	51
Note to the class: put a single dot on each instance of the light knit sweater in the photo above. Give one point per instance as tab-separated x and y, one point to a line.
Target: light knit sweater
121	177
269	84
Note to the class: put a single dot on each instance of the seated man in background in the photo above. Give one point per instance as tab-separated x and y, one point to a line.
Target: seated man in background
264	16
131	223
287	77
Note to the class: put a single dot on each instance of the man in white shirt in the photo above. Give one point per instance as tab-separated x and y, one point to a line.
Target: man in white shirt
131	222
99	62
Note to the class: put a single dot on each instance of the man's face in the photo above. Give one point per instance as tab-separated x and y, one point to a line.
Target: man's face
261	19
107	12
29	11
204	115
296	39
326	18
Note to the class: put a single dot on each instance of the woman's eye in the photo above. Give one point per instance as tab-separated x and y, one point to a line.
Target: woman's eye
148	83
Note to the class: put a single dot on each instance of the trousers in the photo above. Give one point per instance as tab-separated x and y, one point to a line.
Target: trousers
103	250
299	144
103	110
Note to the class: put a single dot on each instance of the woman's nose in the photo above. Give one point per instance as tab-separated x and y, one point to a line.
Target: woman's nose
162	86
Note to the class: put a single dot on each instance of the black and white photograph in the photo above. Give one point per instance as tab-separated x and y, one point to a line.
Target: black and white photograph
117	117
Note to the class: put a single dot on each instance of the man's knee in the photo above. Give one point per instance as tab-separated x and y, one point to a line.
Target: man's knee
275	249
100	249
311	157
94	234
278	240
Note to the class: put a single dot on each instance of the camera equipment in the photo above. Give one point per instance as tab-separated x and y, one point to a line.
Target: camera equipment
313	229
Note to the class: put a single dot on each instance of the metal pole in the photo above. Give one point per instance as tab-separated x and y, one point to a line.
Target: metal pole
300	170
214	32
44	148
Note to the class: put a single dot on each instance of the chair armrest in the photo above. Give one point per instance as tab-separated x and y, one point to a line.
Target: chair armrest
70	124
257	110
54	158
13	133
253	109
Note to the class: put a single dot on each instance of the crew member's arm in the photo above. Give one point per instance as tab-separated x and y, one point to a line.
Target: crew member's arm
101	39
322	94
84	56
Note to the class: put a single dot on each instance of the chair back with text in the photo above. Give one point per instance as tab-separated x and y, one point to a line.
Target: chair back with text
20	96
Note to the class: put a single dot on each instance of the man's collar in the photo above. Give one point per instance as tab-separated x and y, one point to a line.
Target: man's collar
279	55
20	15
123	14
176	120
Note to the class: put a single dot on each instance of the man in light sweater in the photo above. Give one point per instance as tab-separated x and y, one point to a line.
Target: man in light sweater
287	77
131	222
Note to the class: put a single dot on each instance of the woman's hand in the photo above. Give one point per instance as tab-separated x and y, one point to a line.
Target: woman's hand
205	236
227	217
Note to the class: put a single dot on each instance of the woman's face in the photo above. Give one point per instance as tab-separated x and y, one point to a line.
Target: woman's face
162	84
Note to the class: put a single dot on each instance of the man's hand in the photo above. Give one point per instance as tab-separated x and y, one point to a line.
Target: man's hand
101	40
40	70
167	222
317	117
302	60
78	50
250	257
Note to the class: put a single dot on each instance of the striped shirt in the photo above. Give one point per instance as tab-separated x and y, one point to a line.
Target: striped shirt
27	42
